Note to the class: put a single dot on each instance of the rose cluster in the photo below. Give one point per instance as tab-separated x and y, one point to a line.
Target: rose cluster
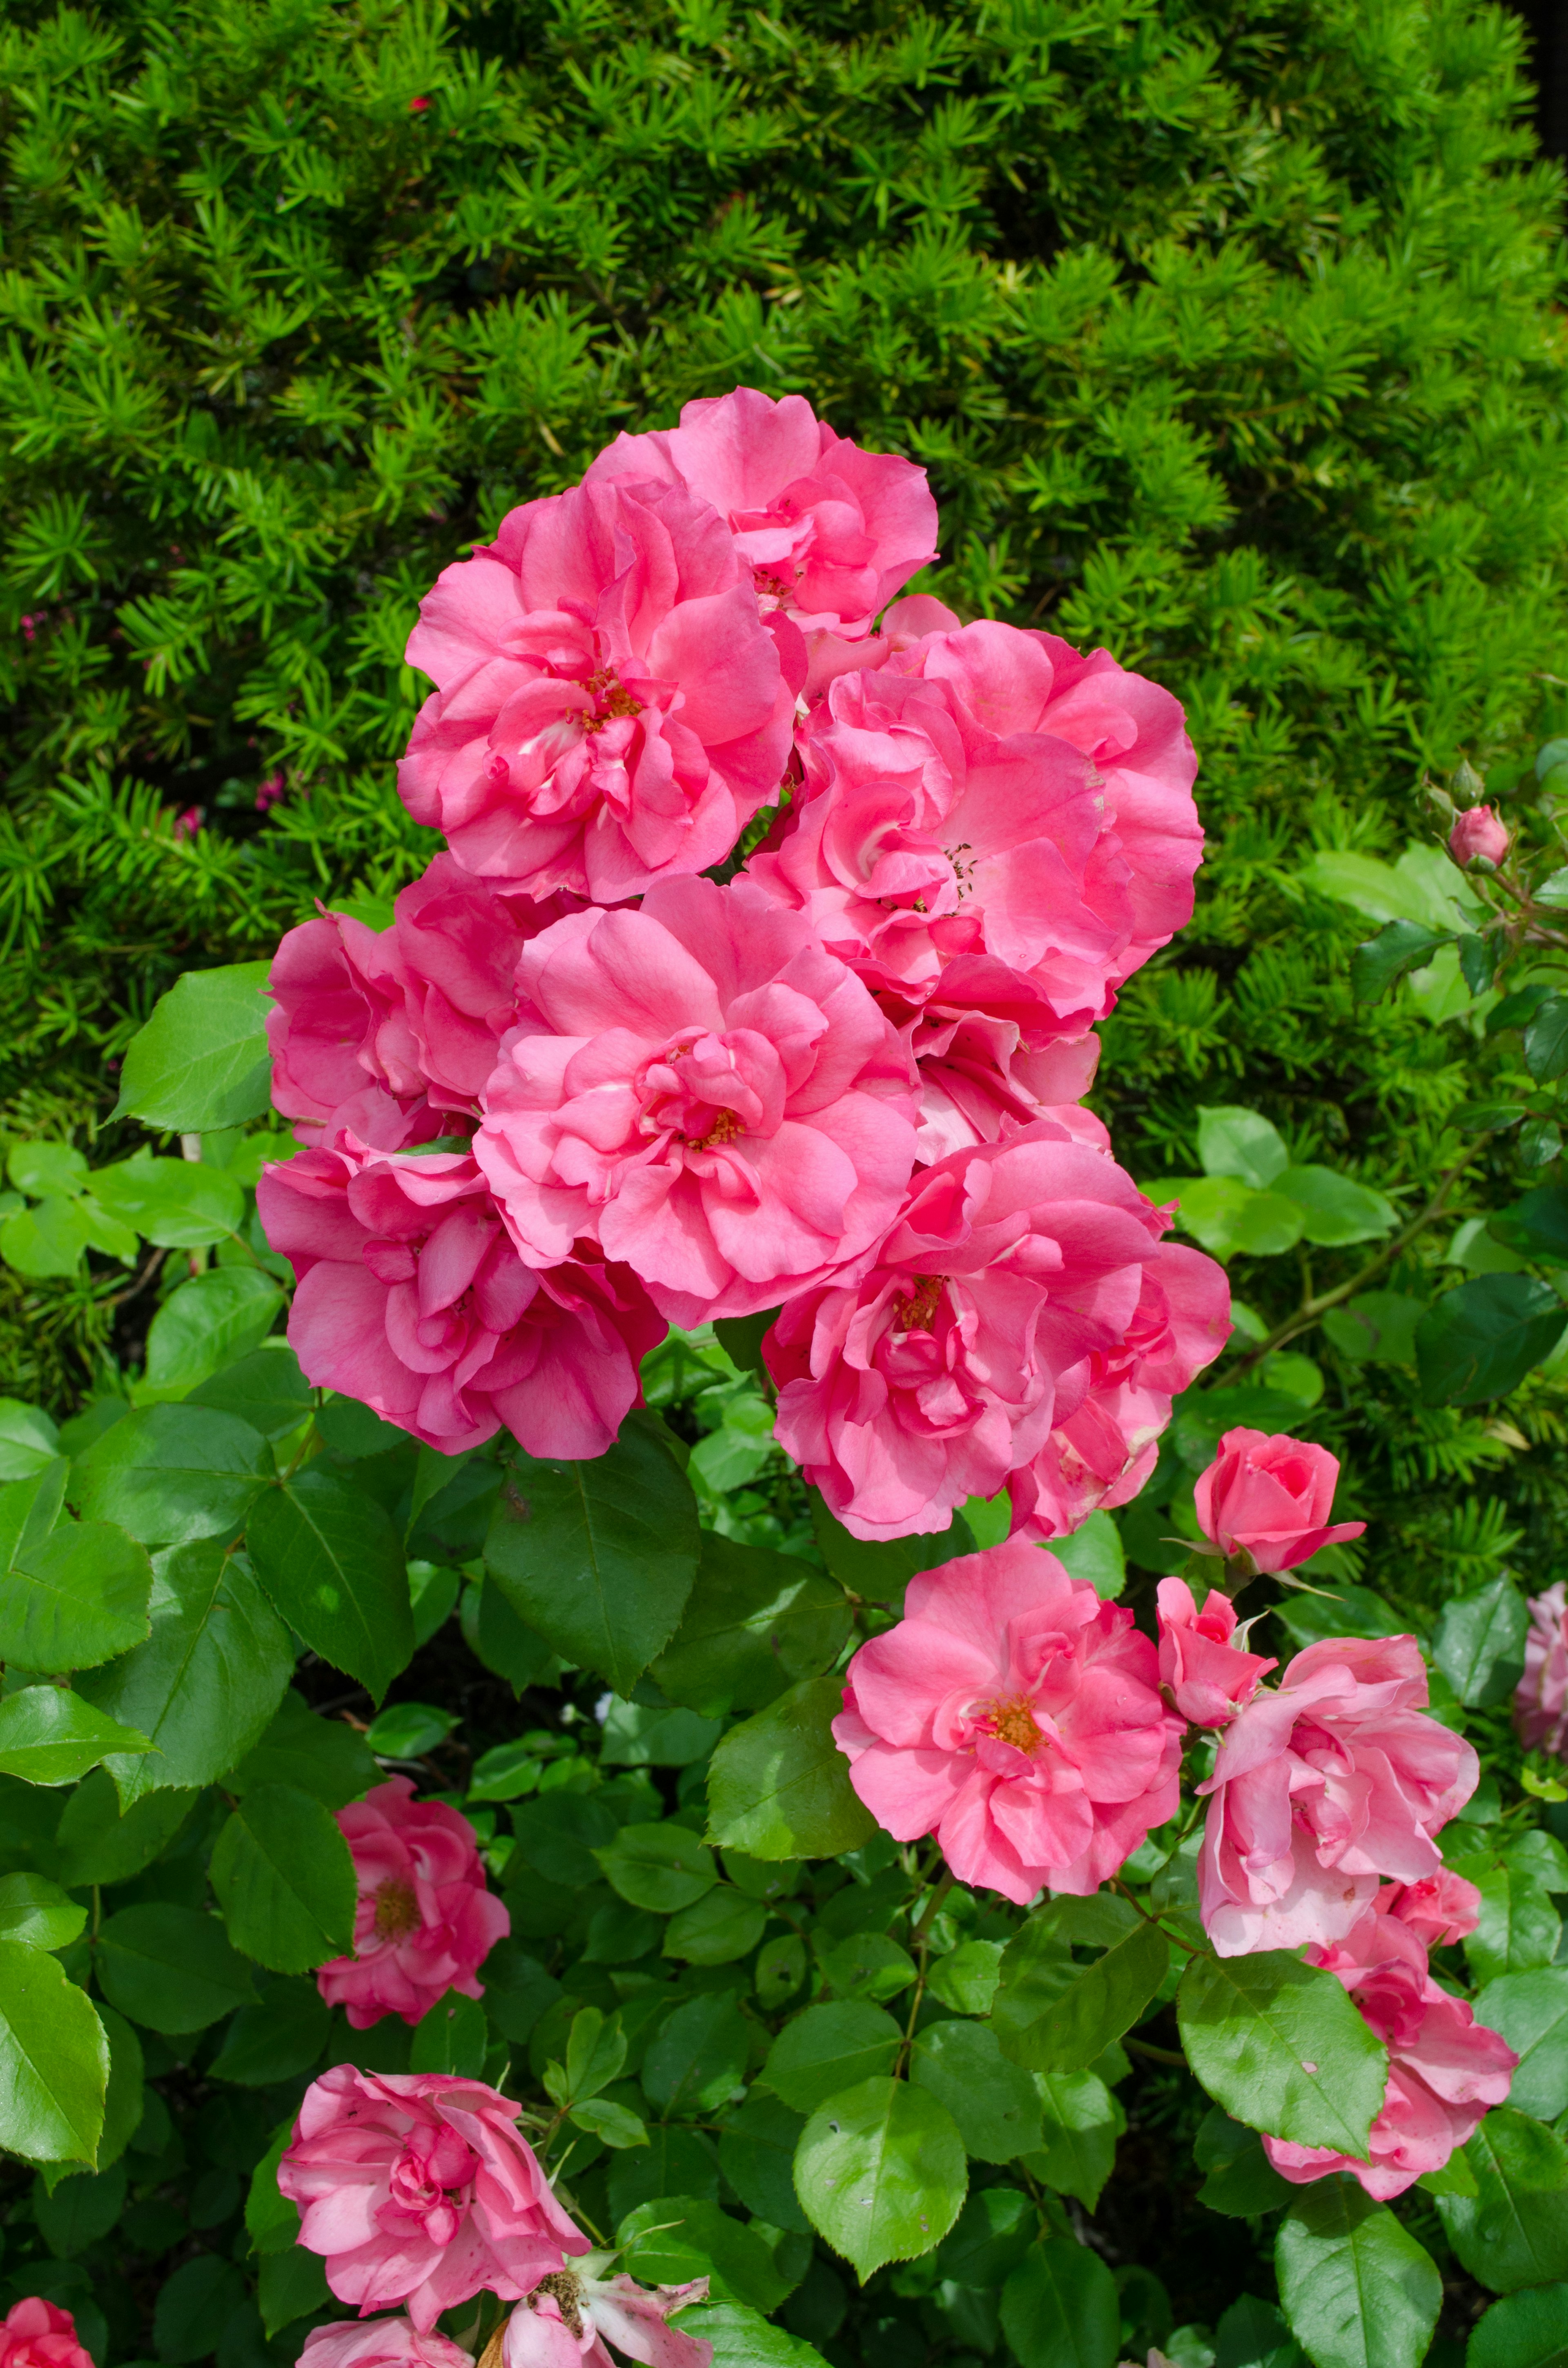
579	1092
1039	1736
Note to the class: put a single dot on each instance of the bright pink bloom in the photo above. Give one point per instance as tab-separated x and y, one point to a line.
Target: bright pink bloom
1478	831
39	2334
981	1079
1270	1498
703	1091
1441	1910
830	532
971	1334
1444	2069
412	1298
1333	1779
1015	1717
1206	1676
380	2343
1540	1702
609	707
568	2320
419	2191
424	1922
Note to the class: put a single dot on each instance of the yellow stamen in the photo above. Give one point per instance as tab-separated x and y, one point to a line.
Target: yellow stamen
1013	1721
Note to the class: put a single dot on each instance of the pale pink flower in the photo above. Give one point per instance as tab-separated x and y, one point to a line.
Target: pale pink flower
1206	1676
424	1922
609	707
1439	1910
412	1298
419	2191
571	2319
1478	831
39	2334
703	1091
1270	1498
1444	2069
1321	1786
1540	1702
380	2343
944	1365
1016	1717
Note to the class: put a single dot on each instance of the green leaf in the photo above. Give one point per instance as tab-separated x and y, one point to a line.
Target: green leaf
280	2036
170	1969
1060	2310
1053	2015
202	2294
210	1321
881	2173
74	1598
600	1557
1399	946
28	1440
995	2105
40	1168
125	2099
289	2287
756	1623
450	2036
37	1914
680	2237
53	2060
867	1965
407	1730
1481	1341
558	1833
1523	2331
331	1559
1532	2012
757	2154
1337	1211
1480	1643
318	1755
696	2058
178	1203
1280	2045
48	1737
1356	2288
1517	1927
879	1573
30	1509
779	1786
655	1735
168	1474
663	1867
618	2126
1241	2181
741	2338
207	1682
1376	1326
272	2222
283	1877
96	1841
966	1981
1241	1142
829	2048
991	2236
1514	2231
266	1389
1081	2125
1094	1554
202	1059
48	1239
1546	1041
716	1930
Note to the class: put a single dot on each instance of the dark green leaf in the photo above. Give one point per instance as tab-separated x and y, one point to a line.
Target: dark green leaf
331	1558
74	1598
1054	2015
779	1786
1523	2331
266	1389
993	2234
280	2036
682	2237
741	2339
1546	1041
450	2036
321	1756
881	1572
757	2154
169	1968
716	1930
99	1843
1481	1341
1081	2123
1537	1226
1242	2183
1399	946
829	2048
1060	2310
756	1623
37	1913
1356	2288
697	2056
283	1877
1480	1643
199	2298
995	2105
202	1059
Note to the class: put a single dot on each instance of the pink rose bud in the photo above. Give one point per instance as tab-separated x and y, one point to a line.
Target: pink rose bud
380	2343
1270	1498
39	2334
420	2193
1206	1676
1478	831
426	1922
569	2319
1540	1704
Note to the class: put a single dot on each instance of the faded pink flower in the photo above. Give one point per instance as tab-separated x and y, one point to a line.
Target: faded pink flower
1540	1702
1206	1676
419	2191
609	707
829	532
380	2343
1478	831
945	1364
1016	1717
424	1922
412	1298
1335	1778
1270	1498
1439	1910
1444	2069
39	2334
703	1091
571	2319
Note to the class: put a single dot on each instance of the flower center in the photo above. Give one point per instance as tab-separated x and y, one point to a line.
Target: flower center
726	1127
611	697
1013	1722
917	1313
568	2292
397	1909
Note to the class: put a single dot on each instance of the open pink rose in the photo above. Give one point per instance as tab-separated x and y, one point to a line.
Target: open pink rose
412	1298
1323	1785
1015	1717
703	1091
39	2334
424	1922
1206	1676
1444	2069
572	2318
419	2191
944	1365
981	1079
1270	1498
830	532
380	2343
609	707
1540	1702
1479	832
1439	1910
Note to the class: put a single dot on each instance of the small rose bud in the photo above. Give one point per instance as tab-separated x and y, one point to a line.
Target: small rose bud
1477	832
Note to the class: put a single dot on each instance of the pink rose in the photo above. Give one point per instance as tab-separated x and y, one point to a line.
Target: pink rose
420	2191
609	707
1206	1676
1270	1498
829	532
1444	2069
944	1365
412	1298
1439	1910
980	1079
380	2343
703	1091
569	2319
1478	831
1015	1717
424	1923
1335	1778
1540	1702
39	2334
